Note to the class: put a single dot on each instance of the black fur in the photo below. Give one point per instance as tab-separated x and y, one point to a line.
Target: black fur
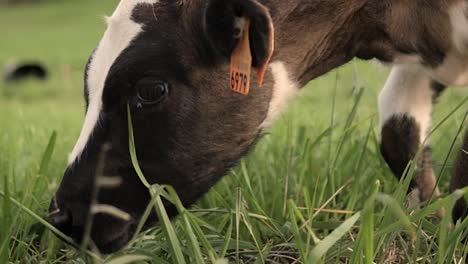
460	180
437	90
400	142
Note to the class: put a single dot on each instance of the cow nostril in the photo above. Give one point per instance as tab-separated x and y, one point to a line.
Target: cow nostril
62	220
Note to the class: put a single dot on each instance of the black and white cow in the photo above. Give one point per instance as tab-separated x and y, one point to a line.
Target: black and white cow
170	61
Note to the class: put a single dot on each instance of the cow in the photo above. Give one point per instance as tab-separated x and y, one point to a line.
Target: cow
203	79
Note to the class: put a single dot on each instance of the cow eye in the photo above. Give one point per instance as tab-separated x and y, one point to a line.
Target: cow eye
151	90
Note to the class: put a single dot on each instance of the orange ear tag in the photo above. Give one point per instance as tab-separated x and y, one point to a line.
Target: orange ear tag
241	63
263	68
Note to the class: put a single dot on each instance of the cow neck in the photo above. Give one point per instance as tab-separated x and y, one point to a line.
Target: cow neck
314	37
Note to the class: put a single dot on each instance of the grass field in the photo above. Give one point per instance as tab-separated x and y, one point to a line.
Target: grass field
314	190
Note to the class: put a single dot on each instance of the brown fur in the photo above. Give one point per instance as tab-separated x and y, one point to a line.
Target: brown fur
334	32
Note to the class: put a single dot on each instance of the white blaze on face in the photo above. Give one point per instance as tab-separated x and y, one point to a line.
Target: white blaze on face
120	32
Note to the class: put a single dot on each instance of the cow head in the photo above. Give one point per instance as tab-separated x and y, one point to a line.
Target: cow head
169	61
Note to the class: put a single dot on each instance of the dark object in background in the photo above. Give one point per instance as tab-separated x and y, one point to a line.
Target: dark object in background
19	71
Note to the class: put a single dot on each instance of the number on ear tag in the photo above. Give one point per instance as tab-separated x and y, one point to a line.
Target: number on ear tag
241	63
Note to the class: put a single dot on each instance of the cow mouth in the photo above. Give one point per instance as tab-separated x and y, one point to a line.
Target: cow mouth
114	241
113	244
106	242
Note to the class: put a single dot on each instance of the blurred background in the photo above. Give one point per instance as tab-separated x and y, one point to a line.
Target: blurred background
59	36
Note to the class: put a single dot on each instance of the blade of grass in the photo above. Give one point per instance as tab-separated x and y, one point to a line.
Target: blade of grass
364	245
445	227
127	259
253	235
397	211
188	223
50	227
5	222
323	246
227	239
238	217
295	229
159	207
47	156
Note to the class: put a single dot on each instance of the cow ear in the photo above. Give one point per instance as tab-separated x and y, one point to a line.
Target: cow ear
224	24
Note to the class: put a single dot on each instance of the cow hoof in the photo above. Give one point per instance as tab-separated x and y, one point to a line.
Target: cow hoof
414	200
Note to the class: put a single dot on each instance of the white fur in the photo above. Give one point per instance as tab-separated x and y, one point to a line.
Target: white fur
407	91
459	26
407	59
120	32
454	70
284	88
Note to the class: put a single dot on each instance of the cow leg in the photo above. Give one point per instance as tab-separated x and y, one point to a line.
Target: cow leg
460	180
405	105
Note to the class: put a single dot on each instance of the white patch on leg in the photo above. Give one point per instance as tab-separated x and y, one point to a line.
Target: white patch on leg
407	91
121	31
284	88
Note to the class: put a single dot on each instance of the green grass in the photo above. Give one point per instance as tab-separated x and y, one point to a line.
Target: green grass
315	188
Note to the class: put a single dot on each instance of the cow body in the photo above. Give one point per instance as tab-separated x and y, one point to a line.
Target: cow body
169	62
